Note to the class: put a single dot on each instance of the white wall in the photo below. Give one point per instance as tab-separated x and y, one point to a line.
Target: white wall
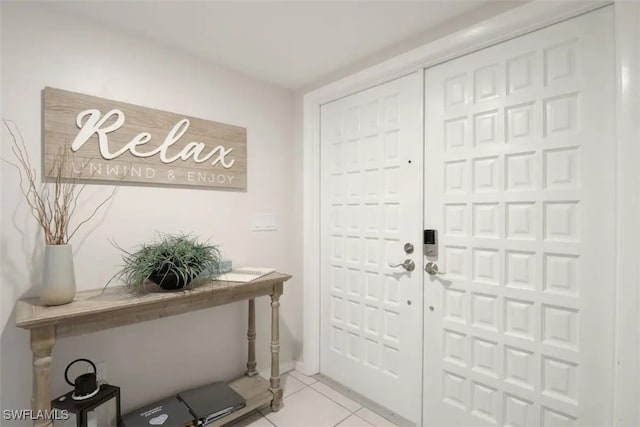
41	47
457	23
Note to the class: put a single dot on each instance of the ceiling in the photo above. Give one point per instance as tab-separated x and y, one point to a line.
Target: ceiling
288	43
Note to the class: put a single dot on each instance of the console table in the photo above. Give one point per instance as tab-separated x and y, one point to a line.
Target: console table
94	310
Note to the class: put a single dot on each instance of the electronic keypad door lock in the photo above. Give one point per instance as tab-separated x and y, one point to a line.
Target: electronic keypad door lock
430	240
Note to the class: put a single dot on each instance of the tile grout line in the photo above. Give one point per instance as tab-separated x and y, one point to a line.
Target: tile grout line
268	420
342	420
353	414
297	391
283	399
356	411
335	401
350	412
366	421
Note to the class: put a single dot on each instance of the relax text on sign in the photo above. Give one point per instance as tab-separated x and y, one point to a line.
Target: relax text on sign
115	141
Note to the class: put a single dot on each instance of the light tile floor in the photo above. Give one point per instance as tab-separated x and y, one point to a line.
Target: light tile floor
309	403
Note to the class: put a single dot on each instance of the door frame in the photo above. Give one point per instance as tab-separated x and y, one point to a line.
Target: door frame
521	20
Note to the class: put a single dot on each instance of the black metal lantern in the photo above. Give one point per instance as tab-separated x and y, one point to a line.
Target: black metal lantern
89	404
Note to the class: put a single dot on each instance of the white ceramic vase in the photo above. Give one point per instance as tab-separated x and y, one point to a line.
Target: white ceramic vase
58	276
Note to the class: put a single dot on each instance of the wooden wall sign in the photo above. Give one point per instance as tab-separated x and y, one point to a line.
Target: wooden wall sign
115	141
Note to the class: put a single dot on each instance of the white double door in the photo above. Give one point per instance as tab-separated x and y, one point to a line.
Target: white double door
519	174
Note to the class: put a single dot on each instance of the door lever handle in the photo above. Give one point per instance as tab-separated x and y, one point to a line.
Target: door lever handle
432	269
407	264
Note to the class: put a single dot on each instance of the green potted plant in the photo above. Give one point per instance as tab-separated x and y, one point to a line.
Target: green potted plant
171	262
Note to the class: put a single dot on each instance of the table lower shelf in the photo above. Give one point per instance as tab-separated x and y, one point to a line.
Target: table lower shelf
255	391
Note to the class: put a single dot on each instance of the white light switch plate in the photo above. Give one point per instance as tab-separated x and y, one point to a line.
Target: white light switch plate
264	222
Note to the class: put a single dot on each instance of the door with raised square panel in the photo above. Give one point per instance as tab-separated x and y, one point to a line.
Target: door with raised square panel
519	180
371	257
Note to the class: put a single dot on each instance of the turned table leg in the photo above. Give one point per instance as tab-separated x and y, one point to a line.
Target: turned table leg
276	403
251	337
42	341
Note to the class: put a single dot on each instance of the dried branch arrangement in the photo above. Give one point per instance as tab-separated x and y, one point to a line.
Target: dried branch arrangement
52	204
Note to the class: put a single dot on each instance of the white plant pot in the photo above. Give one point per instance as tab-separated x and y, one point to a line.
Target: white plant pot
58	276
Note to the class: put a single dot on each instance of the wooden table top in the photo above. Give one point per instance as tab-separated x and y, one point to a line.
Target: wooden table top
116	300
